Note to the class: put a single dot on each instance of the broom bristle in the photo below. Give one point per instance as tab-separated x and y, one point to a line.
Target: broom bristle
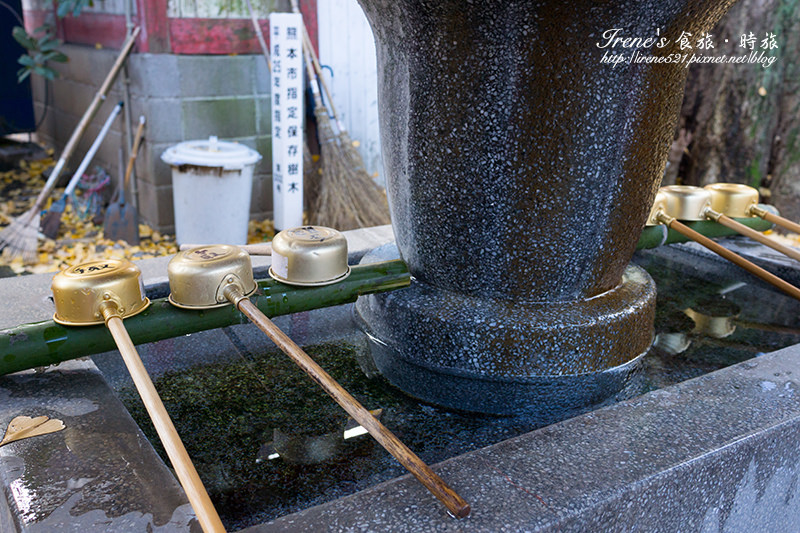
348	197
21	237
311	180
369	198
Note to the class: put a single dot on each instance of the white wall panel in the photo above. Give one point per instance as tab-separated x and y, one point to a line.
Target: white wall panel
347	47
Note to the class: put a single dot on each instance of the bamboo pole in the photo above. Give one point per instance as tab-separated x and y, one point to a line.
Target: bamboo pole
655	236
436	485
184	469
46	343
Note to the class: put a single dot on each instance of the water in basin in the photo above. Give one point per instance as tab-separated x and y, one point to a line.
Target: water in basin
267	441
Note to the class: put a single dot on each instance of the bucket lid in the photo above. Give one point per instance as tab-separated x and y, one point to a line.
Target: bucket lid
211	153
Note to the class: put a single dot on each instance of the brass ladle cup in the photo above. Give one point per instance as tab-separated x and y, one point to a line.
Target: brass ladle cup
744	199
213	276
730	200
107	291
693	203
261	248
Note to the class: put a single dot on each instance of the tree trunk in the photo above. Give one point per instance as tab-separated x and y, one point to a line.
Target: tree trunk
741	122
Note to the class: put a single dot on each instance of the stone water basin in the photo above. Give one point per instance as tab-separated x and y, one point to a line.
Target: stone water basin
268	442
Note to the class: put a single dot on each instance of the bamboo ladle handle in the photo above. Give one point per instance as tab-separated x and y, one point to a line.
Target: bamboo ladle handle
756	236
184	469
775	219
454	503
738	260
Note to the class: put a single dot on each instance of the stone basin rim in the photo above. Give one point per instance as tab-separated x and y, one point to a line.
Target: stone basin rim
474	376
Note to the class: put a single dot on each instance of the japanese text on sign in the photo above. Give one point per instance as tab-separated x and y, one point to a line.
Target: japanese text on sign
287	119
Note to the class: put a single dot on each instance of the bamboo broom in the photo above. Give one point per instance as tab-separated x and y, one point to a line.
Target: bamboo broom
349	197
371	198
333	208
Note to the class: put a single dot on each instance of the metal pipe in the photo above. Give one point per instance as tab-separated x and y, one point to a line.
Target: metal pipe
46	343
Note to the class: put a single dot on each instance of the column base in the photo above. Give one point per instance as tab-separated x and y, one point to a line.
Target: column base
506	357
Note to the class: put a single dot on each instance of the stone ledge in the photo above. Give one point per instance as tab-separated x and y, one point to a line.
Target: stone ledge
98	474
716	452
101	473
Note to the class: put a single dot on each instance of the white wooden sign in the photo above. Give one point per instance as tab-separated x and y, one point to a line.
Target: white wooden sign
286	50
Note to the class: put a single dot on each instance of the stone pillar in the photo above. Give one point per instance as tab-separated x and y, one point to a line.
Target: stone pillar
520	168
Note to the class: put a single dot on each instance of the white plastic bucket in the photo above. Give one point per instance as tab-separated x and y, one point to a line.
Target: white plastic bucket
212	182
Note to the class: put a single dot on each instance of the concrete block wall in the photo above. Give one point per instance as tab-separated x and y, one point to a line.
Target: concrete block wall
182	97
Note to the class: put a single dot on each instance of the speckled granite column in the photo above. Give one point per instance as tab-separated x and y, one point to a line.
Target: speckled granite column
520	169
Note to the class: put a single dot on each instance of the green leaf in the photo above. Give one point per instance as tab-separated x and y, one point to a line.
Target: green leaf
73	7
49	44
59	57
22	37
42	45
22	74
44	71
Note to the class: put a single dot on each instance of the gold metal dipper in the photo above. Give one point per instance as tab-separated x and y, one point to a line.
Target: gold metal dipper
694	203
107	291
211	276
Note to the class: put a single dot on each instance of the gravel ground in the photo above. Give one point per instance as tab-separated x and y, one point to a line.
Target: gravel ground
80	236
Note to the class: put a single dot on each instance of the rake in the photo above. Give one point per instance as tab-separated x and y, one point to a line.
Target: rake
21	237
51	222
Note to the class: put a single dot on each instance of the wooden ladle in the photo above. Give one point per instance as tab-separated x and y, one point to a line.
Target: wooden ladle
678	202
214	276
731	198
107	291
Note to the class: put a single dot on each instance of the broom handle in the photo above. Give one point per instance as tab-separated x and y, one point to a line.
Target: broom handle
259	35
454	503
134	151
775	219
184	469
321	79
87	159
730	256
86	119
313	79
318	69
756	236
